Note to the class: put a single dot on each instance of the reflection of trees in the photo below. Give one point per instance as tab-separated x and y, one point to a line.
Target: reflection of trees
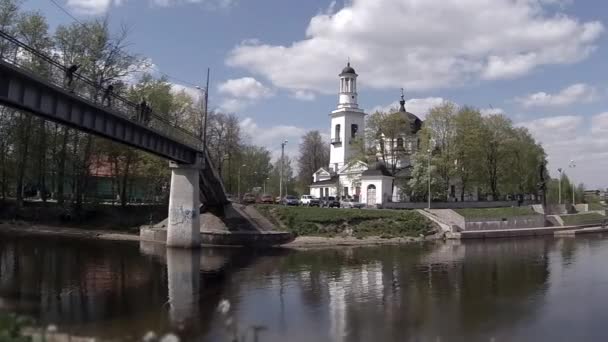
79	282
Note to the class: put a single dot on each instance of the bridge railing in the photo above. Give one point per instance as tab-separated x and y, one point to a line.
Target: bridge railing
115	101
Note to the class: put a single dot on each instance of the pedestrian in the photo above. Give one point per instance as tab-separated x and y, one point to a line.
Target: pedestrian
107	95
142	111
69	76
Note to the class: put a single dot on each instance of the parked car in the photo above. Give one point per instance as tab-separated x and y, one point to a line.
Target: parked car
309	200
248	198
266	199
351	203
290	200
330	202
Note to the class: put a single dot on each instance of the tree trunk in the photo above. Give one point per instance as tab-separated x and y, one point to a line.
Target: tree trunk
22	163
125	180
61	167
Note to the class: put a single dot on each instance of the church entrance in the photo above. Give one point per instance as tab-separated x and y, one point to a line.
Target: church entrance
371	195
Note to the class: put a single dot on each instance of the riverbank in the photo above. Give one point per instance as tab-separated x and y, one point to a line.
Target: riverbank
301	242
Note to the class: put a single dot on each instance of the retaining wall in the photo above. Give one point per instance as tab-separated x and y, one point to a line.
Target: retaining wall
516	222
451	205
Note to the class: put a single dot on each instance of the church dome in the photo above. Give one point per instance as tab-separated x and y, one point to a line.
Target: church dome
348	70
412	119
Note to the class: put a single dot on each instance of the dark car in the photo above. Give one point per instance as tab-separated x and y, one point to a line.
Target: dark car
330	202
248	198
290	200
267	199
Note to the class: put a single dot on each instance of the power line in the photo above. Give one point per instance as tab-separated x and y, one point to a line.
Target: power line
86	28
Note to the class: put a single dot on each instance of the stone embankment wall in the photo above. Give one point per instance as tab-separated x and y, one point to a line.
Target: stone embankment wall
450	205
516	222
460	223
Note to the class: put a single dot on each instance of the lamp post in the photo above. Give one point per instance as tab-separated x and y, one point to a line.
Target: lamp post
205	101
572	165
429	150
239	182
267	178
281	170
559	187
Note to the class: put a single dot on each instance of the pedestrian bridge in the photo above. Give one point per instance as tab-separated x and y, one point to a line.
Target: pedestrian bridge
35	83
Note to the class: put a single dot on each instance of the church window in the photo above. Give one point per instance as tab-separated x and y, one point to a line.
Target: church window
400	143
337	135
353	130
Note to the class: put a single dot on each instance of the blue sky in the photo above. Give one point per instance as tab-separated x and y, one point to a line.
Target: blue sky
275	62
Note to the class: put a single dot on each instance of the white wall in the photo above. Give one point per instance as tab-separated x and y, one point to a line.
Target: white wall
383	186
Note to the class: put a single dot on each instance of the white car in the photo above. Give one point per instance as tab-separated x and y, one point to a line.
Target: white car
351	203
309	200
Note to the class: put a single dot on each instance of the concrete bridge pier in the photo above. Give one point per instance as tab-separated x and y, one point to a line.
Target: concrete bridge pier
183	226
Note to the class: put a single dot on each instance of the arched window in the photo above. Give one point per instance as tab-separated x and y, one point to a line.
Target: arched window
337	135
353	130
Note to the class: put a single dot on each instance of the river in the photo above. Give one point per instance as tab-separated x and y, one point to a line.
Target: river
497	290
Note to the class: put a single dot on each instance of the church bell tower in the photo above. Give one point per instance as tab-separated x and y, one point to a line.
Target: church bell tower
347	121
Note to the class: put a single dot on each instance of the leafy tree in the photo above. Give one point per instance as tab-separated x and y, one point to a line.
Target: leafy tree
314	154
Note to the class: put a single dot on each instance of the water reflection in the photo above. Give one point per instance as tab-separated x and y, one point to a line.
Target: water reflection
499	290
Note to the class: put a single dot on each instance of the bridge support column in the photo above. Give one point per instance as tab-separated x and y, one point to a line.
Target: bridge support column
183	228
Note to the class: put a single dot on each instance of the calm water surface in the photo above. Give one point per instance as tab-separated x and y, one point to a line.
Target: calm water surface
502	290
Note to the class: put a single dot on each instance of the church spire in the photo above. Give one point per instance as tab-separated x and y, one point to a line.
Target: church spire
402	102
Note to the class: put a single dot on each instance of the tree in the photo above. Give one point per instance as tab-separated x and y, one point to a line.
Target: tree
496	130
467	147
384	131
314	154
438	133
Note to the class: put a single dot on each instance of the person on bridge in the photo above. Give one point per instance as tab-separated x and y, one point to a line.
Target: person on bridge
107	95
69	76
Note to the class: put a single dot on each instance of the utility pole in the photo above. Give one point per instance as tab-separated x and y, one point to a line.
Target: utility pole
430	150
572	165
559	196
281	169
205	105
239	183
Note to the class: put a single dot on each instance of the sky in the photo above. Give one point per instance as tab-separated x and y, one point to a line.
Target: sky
275	63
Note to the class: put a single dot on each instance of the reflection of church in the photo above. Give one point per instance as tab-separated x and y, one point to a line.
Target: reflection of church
346	176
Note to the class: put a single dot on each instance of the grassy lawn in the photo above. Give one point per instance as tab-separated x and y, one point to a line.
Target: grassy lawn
596	206
471	213
586	218
305	221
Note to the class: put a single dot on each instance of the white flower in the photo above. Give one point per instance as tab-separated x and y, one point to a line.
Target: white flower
169	338
224	306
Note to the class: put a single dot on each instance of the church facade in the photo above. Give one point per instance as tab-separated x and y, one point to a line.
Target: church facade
346	176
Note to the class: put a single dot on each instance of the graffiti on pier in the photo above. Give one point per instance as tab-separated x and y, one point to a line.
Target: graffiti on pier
180	215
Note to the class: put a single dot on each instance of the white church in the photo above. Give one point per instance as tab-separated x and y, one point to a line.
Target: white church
345	177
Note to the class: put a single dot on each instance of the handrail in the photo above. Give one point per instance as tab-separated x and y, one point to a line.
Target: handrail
90	90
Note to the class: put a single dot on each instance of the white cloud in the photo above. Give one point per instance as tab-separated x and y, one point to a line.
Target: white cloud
412	44
211	4
420	107
98	7
572	137
90	7
245	87
242	92
576	93
271	137
303	95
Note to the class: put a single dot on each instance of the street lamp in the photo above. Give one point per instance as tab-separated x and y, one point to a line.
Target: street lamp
560	186
572	165
281	170
205	102
430	150
239	182
267	178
